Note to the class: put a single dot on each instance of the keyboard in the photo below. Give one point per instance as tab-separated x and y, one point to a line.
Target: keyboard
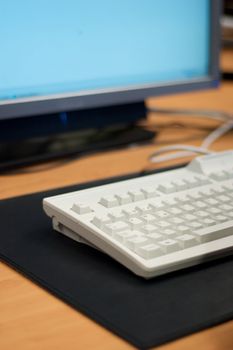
158	223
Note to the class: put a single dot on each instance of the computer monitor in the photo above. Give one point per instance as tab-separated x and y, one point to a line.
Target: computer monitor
74	55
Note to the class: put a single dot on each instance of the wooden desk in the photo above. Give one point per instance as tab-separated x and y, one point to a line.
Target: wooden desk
30	318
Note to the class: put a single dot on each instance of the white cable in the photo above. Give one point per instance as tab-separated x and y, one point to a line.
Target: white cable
188	150
200	113
182	154
216	134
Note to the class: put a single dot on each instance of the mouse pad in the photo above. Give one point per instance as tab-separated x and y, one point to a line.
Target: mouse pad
146	313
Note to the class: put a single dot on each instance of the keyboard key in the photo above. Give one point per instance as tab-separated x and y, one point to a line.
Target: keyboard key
200	204
115	227
226	207
187	207
229	173
204	181
149	228
123	198
149	251
99	221
167	188
230	214
168	233
194	225
224	198
157	204
81	208
182	229
187	241
208	222
228	187
176	221
155	236
219	176
202	214
162	214
168	202
180	185
182	199
174	210
192	182
144	208
230	194
149	192
117	215
148	218
169	245
207	234
221	218
218	189
135	242
206	193
135	223
123	236
194	196
214	211
133	212
200	181
211	201
163	223
109	201
189	217
136	195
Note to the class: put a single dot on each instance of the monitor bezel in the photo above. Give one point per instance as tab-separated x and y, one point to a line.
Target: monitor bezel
41	105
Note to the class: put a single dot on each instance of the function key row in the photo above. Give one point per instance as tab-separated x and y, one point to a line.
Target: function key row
114	200
210	196
183	184
111	201
222	175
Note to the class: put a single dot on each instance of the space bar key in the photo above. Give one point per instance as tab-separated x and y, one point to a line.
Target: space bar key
218	231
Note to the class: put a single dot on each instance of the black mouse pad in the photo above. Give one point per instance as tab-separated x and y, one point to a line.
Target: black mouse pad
144	312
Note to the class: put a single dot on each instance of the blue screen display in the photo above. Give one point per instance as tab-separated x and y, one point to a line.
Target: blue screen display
68	46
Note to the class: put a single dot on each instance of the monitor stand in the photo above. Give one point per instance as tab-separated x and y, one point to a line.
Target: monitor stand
32	140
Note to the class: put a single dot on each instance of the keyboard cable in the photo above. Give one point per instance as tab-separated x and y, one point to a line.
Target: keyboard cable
190	150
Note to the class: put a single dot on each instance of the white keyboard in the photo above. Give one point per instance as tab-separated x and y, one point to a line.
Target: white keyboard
156	223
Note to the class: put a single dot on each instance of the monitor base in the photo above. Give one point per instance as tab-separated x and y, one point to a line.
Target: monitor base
30	140
69	145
